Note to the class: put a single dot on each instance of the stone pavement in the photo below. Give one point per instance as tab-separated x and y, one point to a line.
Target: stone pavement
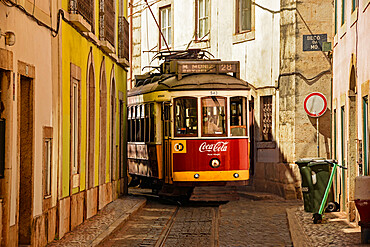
334	231
94	230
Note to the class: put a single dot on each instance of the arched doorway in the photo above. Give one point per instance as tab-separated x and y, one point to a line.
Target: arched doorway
103	124
113	127
90	123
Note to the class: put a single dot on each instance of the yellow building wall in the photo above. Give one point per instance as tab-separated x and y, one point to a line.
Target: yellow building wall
75	49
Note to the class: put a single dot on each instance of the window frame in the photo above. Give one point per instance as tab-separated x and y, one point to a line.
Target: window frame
366	139
174	116
206	17
246	113
270	136
226	118
75	126
168	27
238	16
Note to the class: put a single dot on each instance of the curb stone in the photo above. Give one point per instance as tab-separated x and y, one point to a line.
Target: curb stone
117	224
299	238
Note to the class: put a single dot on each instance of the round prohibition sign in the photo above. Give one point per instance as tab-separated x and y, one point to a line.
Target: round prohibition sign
315	104
178	147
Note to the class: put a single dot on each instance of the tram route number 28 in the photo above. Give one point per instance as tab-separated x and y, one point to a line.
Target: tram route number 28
227	68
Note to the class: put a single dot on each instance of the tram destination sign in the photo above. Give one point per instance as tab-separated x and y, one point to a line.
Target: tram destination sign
205	67
314	42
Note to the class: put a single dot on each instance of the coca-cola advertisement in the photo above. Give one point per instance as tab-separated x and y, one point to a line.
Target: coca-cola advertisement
232	153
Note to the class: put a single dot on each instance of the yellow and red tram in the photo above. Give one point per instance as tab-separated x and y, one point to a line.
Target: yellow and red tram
188	126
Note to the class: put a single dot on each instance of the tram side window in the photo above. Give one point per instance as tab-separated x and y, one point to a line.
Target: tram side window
152	123
129	124
147	122
238	116
138	123
213	116
133	125
142	123
186	123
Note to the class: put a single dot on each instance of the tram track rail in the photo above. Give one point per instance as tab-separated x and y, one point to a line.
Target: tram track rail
166	231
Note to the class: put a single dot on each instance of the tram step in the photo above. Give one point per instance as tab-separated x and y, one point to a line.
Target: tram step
214	194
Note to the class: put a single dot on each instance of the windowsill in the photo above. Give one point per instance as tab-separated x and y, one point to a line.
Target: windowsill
80	22
266	145
243	37
106	46
354	17
92	36
201	44
365	4
335	40
342	30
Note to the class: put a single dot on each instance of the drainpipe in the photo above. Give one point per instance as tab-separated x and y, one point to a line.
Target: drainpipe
131	39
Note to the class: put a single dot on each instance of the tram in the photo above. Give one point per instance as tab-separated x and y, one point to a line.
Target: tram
188	127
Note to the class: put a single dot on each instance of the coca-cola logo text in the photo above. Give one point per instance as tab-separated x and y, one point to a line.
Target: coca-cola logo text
214	147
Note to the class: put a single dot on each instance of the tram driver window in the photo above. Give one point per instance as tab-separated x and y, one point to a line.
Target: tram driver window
213	116
238	118
186	117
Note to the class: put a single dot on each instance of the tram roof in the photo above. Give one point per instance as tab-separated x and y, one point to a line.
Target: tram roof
169	82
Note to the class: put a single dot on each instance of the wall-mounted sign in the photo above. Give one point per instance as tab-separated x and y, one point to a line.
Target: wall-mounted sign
315	104
314	42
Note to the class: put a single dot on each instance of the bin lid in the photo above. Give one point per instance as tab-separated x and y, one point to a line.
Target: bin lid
308	160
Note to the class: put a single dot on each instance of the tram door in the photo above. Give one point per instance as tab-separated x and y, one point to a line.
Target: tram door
166	125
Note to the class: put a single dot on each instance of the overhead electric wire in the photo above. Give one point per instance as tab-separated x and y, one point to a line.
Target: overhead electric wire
54	32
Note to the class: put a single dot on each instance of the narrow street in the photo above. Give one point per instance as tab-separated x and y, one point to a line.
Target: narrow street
238	223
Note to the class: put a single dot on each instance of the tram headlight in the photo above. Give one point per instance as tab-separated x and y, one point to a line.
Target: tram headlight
236	175
215	163
196	175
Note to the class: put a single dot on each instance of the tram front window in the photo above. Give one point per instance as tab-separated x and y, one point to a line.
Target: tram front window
238	117
213	114
186	117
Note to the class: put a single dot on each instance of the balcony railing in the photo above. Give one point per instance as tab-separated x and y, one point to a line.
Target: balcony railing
84	8
107	16
123	38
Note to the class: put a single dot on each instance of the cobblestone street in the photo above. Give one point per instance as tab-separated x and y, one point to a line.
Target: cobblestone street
238	223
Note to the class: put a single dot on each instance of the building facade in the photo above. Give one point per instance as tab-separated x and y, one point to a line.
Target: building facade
63	114
350	98
266	37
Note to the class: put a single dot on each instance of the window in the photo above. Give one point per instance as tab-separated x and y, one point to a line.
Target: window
138	124
107	21
213	116
48	147
147	123
186	123
142	123
74	126
266	116
238	116
354	5
335	17
152	123
343	11
202	19
165	20
365	124
243	16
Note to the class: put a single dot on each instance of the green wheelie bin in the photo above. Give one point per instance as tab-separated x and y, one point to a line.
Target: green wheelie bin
307	185
320	174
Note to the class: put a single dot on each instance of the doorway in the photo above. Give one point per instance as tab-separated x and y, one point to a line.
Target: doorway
26	127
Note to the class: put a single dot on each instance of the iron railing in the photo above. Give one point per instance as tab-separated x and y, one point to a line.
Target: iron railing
107	17
84	8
